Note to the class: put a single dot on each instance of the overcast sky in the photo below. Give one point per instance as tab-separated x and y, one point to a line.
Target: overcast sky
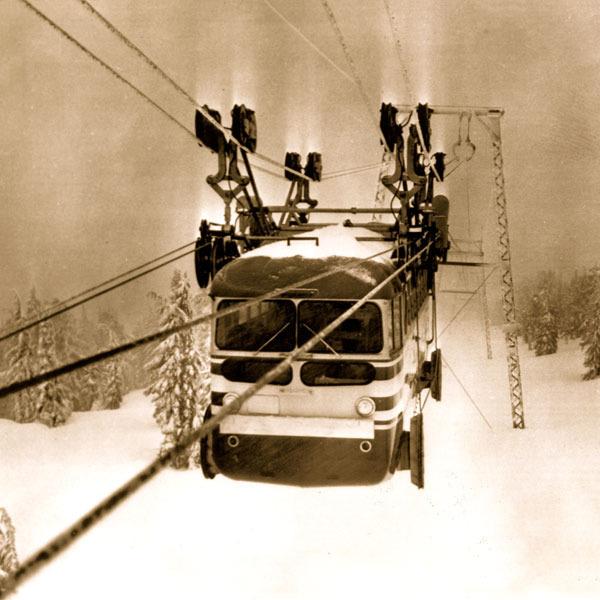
95	180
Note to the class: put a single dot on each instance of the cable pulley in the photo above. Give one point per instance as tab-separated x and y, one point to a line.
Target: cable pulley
314	166
217	255
390	129
243	126
202	257
208	134
292	161
232	251
423	116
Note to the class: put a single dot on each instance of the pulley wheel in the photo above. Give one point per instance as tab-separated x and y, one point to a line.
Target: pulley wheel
217	256
202	262
231	250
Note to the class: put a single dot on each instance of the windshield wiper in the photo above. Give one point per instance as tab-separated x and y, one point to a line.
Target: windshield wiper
271	338
321	339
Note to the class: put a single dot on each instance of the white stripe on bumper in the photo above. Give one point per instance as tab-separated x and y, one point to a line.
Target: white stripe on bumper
298	426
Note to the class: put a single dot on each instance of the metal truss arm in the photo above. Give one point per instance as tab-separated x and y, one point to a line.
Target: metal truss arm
492	124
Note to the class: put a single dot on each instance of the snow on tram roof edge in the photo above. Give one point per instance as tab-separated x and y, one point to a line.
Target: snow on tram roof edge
334	240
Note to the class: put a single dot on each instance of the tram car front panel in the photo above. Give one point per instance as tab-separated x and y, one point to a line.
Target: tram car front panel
335	417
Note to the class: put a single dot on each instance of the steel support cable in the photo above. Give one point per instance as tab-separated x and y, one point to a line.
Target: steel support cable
55	306
399	51
136	49
278	175
469	396
446	175
421	403
310	43
352	78
471	296
340	37
163	334
106	506
357	167
110	69
147	98
354	171
226	132
71	306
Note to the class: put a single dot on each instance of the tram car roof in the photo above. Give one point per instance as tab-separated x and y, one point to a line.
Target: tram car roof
280	264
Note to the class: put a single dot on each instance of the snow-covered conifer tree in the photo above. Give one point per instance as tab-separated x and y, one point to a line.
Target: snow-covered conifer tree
546	327
53	406
112	390
529	317
571	320
89	389
70	347
581	292
113	387
88	378
8	553
108	377
34	311
21	365
590	329
176	373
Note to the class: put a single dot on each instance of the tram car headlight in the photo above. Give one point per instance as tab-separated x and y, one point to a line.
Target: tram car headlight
229	397
365	406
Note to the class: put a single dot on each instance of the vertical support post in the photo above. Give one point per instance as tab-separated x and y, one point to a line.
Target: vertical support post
386	159
508	297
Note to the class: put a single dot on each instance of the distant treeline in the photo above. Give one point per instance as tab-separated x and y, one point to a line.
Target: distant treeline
64	339
552	309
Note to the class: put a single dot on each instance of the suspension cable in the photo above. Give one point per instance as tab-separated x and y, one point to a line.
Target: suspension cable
136	49
264	170
106	506
61	303
469	396
163	334
110	69
471	296
399	50
147	98
161	72
64	308
310	43
351	171
340	37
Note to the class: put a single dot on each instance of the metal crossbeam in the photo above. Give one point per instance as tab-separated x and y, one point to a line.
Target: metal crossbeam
480	111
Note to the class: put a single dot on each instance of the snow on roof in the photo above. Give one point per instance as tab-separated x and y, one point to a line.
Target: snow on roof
334	240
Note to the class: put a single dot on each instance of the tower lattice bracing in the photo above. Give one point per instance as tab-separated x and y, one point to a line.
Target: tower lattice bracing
508	297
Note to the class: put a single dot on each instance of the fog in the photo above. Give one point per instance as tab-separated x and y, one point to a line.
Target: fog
95	179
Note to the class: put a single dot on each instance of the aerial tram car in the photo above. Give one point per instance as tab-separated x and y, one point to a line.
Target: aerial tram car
347	410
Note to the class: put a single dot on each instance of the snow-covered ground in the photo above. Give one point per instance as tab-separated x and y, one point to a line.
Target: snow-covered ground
505	513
